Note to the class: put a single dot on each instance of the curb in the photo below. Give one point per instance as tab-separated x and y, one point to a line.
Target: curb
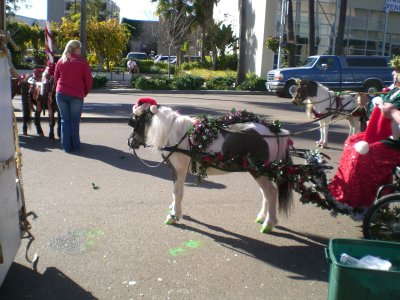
194	92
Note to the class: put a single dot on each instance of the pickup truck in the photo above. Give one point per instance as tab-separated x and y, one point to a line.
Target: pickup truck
358	73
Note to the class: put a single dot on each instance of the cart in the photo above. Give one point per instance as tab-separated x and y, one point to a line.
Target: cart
380	221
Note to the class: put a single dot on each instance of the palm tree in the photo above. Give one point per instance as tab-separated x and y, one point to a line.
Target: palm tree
241	71
311	28
341	26
290	35
204	10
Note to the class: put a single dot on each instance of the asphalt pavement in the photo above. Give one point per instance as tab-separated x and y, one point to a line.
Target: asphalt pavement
100	232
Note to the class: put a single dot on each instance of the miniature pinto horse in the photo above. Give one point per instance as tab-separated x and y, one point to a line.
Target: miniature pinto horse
325	105
37	95
223	144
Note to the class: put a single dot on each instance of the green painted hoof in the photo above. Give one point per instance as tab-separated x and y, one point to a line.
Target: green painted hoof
266	229
259	220
171	220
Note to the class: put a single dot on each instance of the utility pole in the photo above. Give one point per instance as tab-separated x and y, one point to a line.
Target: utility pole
83	28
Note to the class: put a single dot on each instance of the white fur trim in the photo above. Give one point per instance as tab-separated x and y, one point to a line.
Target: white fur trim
154	109
137	111
362	147
377	101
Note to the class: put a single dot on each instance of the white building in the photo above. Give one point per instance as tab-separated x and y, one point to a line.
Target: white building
372	28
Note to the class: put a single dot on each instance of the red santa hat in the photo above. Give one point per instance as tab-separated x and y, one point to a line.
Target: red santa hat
137	109
379	128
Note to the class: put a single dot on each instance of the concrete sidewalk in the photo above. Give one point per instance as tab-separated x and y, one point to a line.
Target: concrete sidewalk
105	104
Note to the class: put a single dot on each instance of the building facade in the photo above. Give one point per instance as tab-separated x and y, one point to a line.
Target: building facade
372	28
57	9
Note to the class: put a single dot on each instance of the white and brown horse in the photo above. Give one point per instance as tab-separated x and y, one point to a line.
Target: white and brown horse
325	105
37	96
239	141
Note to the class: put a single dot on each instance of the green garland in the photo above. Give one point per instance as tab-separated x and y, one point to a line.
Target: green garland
205	130
302	178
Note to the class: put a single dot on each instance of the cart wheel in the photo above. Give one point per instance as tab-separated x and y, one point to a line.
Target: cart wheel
382	220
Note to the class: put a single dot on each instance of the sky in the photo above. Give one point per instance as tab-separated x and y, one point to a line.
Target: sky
130	9
226	10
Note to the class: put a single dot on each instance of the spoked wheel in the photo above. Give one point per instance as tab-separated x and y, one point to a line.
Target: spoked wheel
382	220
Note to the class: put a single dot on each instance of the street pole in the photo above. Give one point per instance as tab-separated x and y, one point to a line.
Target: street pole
384	33
334	28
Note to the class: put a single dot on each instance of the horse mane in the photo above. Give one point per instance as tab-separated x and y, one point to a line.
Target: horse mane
167	127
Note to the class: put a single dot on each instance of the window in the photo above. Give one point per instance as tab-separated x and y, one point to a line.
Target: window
367	62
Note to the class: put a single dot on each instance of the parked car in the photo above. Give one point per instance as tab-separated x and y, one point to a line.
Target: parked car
137	55
359	73
164	58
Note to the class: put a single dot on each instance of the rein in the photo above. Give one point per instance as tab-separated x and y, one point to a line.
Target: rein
171	150
344	116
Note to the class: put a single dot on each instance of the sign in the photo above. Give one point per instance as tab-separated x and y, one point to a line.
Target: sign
392	5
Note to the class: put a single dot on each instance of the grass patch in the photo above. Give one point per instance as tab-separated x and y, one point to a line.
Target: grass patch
209	74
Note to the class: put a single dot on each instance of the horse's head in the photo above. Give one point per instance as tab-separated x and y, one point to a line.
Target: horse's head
142	115
305	89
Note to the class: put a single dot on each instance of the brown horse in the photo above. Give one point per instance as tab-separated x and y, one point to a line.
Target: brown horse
37	95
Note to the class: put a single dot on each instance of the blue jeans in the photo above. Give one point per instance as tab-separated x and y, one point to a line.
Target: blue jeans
70	110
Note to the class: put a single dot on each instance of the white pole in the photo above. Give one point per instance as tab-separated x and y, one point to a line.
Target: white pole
384	32
334	28
283	14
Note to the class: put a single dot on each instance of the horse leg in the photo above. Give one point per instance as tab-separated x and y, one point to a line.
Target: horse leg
51	123
267	215
178	165
25	128
324	128
39	129
51	128
354	125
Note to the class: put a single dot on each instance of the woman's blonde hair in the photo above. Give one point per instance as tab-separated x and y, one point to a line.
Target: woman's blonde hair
71	46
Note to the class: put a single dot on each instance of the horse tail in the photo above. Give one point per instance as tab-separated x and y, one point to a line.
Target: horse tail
285	193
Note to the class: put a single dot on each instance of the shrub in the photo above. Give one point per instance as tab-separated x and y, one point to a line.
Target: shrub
220	83
187	82
99	81
159	83
195	65
145	65
253	83
227	62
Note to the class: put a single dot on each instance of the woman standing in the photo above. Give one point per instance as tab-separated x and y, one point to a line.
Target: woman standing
73	80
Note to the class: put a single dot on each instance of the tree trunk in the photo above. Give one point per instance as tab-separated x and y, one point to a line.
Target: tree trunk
311	28
83	28
241	73
341	26
290	38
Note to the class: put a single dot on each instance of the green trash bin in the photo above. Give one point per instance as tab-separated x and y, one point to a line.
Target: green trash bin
353	283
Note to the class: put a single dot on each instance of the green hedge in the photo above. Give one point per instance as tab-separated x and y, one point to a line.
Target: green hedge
190	82
99	81
221	83
253	83
187	82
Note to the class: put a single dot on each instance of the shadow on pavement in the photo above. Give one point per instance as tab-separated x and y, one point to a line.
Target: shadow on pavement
24	283
307	260
127	161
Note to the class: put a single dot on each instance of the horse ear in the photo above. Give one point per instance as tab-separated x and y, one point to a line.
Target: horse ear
154	109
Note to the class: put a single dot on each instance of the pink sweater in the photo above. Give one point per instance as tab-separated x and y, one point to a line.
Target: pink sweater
73	77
